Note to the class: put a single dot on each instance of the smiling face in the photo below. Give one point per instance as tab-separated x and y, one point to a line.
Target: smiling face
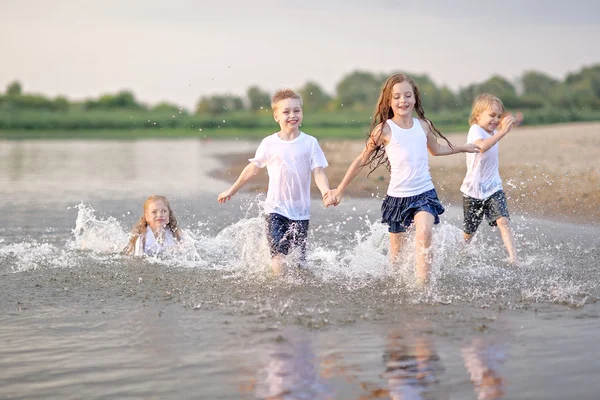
288	113
490	118
403	99
157	215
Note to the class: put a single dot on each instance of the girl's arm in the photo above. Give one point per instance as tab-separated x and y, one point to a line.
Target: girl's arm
505	127
436	149
247	173
377	138
321	180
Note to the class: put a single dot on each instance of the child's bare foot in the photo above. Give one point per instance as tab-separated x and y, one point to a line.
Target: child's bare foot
514	262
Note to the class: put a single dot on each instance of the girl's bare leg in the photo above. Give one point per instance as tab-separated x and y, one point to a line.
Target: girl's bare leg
423	224
396	245
507	238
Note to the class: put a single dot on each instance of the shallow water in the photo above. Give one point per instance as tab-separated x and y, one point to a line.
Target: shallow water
78	319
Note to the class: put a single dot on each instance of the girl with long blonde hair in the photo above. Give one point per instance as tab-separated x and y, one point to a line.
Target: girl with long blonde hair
156	229
400	141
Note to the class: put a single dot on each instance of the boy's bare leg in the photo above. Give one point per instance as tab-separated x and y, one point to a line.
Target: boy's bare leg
423	224
507	238
277	264
468	237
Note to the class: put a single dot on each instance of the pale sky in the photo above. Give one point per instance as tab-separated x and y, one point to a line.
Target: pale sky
179	50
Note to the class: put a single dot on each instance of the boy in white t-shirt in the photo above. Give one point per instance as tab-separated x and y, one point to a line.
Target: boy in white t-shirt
482	186
290	156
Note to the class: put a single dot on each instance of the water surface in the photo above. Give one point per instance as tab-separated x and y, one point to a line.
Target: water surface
78	319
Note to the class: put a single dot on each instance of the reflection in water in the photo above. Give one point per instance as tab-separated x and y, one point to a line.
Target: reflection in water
483	361
412	367
290	370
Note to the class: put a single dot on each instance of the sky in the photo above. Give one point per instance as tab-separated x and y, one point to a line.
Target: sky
180	50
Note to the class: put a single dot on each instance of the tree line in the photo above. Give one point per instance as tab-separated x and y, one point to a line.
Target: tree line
357	90
542	99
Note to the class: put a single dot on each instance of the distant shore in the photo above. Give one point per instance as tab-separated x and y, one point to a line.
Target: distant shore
549	171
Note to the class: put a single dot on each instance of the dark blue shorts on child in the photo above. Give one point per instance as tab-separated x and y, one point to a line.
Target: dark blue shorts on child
285	234
399	212
494	208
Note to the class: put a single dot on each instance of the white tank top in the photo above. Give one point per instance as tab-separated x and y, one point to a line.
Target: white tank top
407	152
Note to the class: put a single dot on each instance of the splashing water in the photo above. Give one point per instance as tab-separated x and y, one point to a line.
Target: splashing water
348	258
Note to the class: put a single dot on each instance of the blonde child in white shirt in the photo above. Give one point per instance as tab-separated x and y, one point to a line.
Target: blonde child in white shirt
290	156
156	231
482	186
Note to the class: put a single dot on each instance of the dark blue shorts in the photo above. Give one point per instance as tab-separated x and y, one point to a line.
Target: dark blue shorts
494	208
284	234
399	212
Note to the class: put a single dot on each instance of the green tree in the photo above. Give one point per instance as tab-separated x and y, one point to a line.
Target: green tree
537	83
14	89
588	76
123	99
219	104
561	96
258	99
430	94
314	98
61	103
165	107
498	86
359	90
448	99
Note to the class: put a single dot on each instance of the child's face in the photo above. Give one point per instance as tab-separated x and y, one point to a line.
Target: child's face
157	215
288	113
403	99
490	118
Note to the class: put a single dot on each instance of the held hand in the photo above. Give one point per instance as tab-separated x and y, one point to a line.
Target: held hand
332	198
506	124
225	196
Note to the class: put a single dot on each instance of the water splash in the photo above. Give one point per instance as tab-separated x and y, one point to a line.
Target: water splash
343	260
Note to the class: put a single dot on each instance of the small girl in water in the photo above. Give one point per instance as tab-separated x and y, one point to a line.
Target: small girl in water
156	230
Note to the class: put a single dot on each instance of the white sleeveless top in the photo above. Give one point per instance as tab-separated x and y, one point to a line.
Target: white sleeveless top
407	152
153	246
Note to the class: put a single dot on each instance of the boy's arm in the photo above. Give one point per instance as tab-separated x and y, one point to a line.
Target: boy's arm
321	180
505	127
247	173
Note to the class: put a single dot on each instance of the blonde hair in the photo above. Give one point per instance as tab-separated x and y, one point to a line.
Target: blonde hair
283	94
139	229
383	112
482	103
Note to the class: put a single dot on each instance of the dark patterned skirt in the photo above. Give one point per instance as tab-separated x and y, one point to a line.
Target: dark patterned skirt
399	212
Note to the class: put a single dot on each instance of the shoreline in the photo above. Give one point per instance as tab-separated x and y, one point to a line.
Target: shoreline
547	172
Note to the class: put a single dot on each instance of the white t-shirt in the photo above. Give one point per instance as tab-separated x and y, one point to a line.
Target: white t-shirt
409	162
289	165
482	179
153	246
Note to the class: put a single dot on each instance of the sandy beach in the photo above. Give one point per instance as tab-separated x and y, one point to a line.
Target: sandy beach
550	171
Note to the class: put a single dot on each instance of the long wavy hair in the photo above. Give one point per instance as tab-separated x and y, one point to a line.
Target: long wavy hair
383	112
139	229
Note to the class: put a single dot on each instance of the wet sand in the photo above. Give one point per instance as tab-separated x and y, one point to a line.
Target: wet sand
550	171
